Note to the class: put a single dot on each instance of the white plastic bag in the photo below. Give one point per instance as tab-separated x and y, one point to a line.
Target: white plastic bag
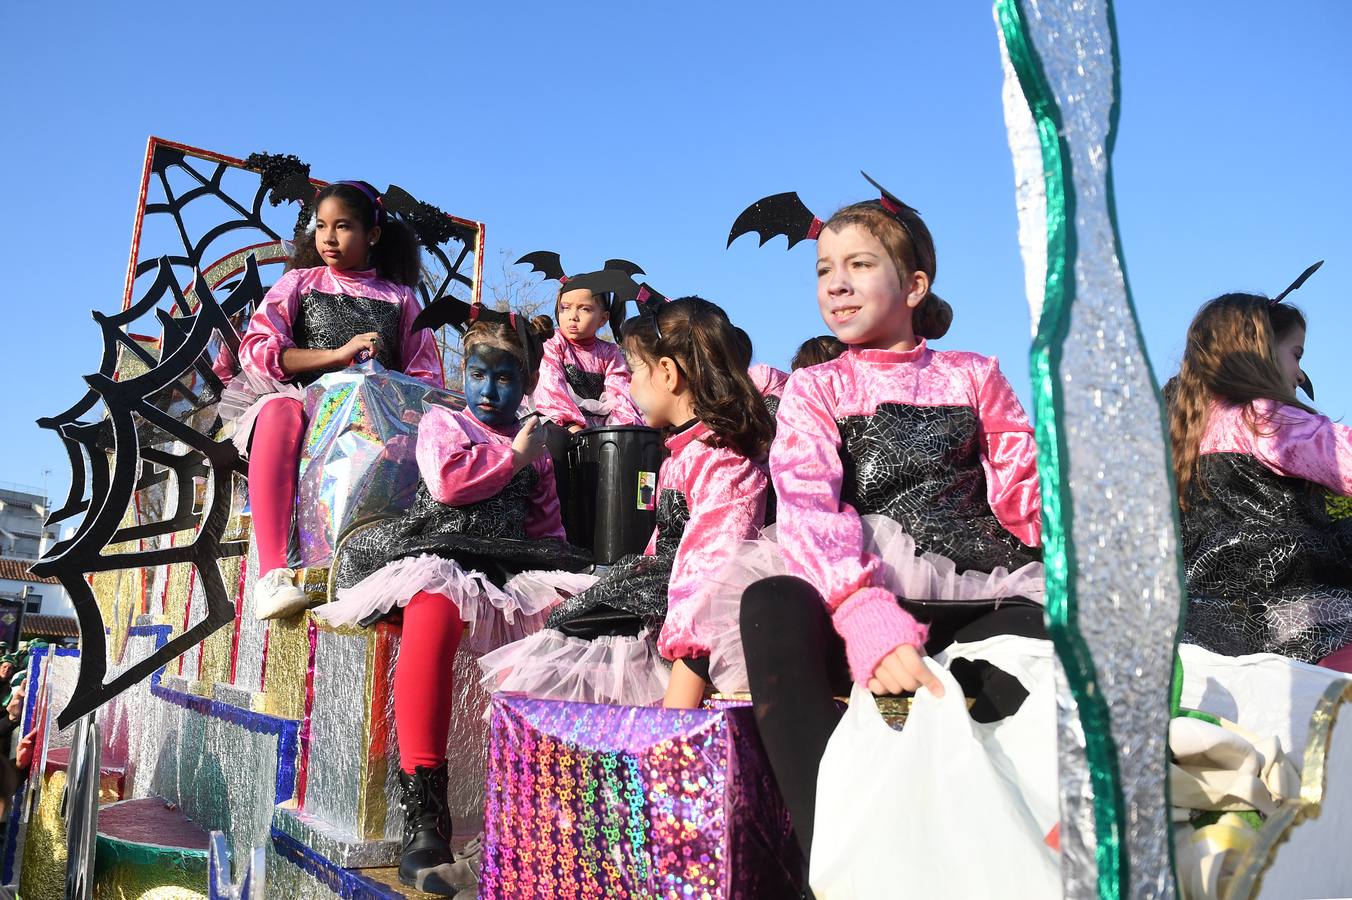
935	810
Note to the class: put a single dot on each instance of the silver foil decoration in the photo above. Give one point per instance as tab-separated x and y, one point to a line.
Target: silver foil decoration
1114	473
357	458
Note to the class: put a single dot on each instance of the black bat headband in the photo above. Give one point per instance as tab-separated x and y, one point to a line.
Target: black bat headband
1305	384
786	214
615	280
1295	285
457	313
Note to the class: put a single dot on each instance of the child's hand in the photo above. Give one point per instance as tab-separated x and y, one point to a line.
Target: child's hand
903	671
575	428
370	342
528	444
23	754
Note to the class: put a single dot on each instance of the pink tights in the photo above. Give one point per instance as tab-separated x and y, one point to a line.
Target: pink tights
274	460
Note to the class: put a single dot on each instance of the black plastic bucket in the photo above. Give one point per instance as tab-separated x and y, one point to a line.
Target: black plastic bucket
612	489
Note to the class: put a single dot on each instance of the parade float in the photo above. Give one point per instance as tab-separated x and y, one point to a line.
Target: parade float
188	749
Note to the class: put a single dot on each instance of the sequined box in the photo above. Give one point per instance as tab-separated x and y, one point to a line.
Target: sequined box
585	800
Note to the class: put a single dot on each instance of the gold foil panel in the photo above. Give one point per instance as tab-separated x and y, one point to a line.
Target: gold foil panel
44	852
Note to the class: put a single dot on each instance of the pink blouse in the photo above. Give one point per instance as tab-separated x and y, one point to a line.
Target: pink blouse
1290	442
270	330
768	380
822	538
554	400
464	461
725	495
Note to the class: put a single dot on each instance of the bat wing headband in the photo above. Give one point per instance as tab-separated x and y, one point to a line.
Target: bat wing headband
1305	384
453	311
786	214
614	281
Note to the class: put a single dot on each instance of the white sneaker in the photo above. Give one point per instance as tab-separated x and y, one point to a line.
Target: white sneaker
276	595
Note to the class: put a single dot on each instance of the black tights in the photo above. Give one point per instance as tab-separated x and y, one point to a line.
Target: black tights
796	665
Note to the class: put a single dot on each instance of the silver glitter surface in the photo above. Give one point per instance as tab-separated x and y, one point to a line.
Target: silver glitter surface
338	722
252	633
197	611
341	848
1030	187
1124	528
467	748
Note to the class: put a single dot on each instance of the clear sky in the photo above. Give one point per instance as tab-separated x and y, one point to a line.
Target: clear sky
642	130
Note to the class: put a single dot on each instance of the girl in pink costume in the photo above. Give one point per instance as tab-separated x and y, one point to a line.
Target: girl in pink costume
479	557
1268	570
599	645
908	500
584	380
347	294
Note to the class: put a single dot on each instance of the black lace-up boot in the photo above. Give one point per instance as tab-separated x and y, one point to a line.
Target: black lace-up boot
427	862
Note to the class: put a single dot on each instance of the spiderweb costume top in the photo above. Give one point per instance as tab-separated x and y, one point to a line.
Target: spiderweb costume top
1267	569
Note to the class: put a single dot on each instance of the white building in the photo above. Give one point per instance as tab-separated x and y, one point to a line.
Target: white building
23	514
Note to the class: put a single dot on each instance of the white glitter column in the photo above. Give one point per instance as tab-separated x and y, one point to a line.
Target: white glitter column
1110	517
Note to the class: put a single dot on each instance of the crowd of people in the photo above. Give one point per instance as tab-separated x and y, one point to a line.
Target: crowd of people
901	479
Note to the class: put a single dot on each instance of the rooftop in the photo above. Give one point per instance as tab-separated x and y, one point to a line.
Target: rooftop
17	570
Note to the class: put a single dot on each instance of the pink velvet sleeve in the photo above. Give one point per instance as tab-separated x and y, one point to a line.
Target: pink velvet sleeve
551	390
726	496
1009	456
418	349
621	405
269	331
544	520
456	469
1299	444
822	539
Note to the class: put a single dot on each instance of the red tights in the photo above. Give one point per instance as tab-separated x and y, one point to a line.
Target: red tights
422	679
274	459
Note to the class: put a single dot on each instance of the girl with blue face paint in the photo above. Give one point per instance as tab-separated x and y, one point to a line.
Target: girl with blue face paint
486	511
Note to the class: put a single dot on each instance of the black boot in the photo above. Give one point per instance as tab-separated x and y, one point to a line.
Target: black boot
427	863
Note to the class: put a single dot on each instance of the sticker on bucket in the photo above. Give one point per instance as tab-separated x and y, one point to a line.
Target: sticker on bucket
647	490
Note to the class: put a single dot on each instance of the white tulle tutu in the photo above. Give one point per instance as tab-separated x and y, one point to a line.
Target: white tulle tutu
550	665
244	398
906	573
493	616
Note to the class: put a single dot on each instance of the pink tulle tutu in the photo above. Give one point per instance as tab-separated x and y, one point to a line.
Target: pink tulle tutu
493	616
906	573
617	670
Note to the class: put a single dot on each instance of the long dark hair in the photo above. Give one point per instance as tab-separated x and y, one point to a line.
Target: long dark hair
704	343
396	256
1230	356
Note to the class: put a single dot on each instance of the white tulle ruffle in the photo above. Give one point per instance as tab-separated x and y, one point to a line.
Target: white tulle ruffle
624	671
493	616
906	573
244	398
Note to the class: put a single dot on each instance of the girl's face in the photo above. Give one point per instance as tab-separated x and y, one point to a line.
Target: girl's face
1290	348
653	388
494	387
861	294
341	239
581	315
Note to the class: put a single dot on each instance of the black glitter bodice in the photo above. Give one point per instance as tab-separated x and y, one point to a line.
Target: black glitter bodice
636	584
328	321
921	467
1267	569
587	385
489	536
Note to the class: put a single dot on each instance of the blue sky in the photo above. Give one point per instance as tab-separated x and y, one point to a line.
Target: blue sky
641	131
